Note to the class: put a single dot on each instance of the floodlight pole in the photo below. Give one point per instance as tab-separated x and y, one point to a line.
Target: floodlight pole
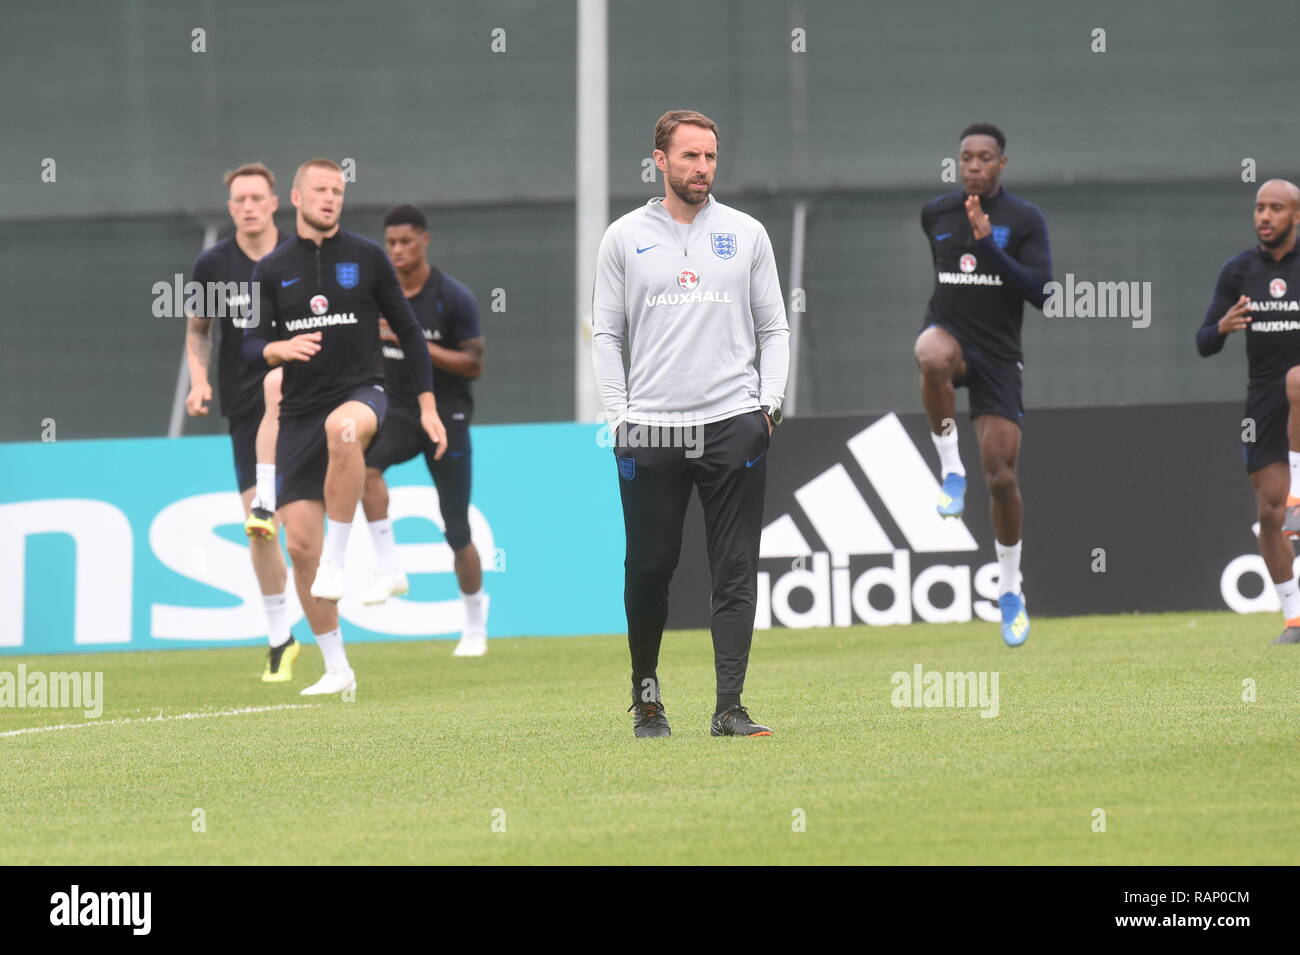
591	189
794	314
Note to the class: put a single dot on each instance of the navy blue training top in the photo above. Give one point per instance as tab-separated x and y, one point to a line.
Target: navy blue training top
1273	336
339	288
448	315
239	385
980	287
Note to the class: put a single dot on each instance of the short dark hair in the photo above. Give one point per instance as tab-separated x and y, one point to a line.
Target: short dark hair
406	214
985	129
670	120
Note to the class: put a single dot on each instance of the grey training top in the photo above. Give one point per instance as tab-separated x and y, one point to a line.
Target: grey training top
689	301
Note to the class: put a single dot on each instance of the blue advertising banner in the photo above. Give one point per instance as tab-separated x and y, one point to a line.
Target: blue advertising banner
138	544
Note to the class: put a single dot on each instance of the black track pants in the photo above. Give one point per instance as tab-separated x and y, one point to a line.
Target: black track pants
727	462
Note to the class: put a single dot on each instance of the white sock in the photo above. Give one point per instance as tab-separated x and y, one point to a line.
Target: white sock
475	610
1289	594
1009	562
331	646
381	532
336	540
949	458
266	486
277	617
1295	472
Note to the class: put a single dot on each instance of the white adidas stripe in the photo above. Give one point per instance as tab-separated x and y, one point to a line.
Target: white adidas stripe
899	474
843	519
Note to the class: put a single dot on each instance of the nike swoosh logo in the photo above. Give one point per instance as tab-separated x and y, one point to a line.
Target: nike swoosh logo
639	250
285	283
940	238
455	454
750	464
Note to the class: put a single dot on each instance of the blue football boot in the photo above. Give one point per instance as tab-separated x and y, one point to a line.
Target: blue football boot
1015	619
952	499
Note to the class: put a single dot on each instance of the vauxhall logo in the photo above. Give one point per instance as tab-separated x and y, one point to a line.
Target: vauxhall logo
689	281
845	526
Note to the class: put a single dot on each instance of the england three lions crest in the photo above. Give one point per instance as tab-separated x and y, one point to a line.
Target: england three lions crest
348	274
724	244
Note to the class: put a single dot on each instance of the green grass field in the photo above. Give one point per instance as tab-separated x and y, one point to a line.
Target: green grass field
1141	716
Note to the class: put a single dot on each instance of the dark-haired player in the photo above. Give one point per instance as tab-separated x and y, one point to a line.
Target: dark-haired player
991	255
448	316
1258	292
252	203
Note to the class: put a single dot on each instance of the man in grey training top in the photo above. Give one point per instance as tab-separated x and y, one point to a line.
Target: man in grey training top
687	283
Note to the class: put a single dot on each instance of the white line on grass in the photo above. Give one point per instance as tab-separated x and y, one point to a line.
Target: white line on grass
161	719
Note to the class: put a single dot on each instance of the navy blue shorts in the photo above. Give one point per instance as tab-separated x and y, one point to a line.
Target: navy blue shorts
1268	407
402	438
243	442
302	450
996	385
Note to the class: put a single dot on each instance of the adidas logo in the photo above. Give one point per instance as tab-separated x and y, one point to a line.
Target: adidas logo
1261	596
845	525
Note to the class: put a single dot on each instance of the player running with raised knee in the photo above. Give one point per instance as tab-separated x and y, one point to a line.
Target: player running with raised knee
1258	292
321	298
991	255
251	202
448	316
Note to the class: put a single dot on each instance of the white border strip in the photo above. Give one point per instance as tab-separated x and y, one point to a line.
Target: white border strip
161	719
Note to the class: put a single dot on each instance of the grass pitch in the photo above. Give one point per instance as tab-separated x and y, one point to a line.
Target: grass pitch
1140	716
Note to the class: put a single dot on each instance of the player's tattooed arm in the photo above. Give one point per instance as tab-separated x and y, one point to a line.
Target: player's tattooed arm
465	360
198	353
